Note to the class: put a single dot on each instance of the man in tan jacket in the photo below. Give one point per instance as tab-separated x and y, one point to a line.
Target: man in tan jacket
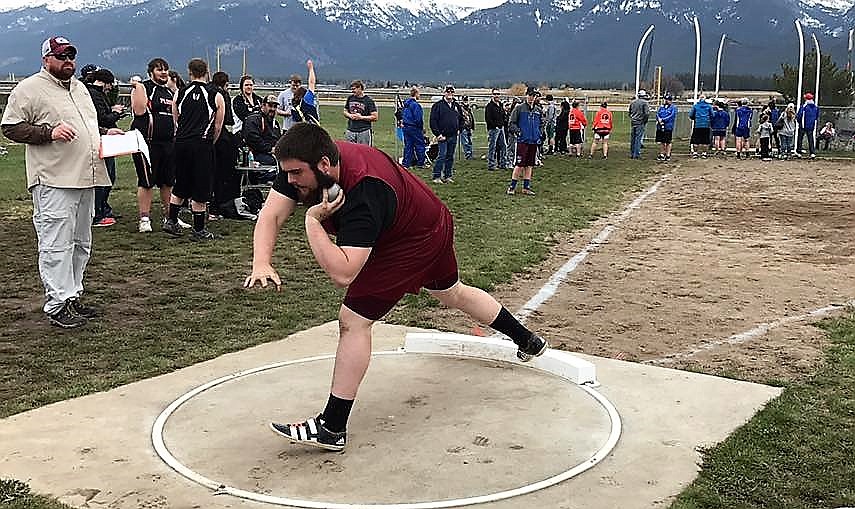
52	113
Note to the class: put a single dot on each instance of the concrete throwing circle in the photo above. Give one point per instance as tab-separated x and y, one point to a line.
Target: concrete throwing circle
463	453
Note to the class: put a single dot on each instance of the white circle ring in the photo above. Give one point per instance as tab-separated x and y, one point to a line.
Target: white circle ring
221	489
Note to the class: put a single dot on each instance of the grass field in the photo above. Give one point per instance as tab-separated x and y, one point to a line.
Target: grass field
170	303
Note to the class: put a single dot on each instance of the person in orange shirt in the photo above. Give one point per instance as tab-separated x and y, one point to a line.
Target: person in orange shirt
602	129
576	122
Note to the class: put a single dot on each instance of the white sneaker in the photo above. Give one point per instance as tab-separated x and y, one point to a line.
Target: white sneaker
145	225
183	224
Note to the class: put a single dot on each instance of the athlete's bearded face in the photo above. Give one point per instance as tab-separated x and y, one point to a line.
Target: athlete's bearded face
307	179
160	75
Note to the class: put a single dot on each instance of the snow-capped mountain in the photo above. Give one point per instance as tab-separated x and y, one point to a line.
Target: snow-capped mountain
594	40
565	40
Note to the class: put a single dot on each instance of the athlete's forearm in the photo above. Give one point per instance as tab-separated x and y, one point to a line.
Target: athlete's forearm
270	220
329	256
264	239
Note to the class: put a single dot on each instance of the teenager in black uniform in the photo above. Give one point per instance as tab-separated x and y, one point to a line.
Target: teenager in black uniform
198	112
226	179
151	101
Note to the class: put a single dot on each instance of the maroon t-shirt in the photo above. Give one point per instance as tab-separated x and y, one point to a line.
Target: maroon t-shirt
422	232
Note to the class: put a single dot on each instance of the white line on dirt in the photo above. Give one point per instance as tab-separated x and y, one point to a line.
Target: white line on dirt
751	334
548	290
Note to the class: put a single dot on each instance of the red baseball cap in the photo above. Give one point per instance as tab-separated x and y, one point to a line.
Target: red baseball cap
808	96
57	46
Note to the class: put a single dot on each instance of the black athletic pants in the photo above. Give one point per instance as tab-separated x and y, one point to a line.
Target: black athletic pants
226	178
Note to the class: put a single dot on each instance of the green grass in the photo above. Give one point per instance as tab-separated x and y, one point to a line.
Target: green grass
798	452
171	303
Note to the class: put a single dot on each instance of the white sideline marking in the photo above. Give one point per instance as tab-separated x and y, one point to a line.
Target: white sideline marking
548	290
750	334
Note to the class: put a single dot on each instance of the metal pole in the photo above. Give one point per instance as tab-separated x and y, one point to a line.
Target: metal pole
816	88
818	63
849	61
718	65
638	60
801	64
697	55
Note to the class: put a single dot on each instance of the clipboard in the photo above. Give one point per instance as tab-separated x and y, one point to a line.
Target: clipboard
131	142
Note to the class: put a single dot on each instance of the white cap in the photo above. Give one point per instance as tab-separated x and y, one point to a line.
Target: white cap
642	93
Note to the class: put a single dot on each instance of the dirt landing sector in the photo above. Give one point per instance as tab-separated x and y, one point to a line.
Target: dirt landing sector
722	247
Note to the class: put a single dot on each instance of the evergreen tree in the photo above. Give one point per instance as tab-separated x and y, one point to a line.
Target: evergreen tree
835	85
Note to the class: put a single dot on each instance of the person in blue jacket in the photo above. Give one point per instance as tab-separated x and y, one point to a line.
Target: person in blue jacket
527	123
413	124
665	117
718	126
701	113
774	115
742	128
807	117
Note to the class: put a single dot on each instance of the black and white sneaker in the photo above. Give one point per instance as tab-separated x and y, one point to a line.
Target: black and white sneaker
81	310
66	318
535	347
312	432
202	235
172	227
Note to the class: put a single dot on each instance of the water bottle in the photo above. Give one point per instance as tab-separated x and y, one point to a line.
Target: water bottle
250	160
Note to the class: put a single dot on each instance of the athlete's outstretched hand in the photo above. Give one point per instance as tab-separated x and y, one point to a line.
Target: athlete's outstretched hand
326	208
261	275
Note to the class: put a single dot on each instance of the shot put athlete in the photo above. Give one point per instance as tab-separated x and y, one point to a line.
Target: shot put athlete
393	236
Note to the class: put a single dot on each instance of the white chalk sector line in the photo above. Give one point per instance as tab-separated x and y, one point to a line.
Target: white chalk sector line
551	287
752	333
219	488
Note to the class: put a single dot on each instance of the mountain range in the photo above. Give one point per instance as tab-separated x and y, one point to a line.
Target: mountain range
560	41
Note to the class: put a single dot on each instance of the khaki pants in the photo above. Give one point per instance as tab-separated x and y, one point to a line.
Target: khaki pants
63	222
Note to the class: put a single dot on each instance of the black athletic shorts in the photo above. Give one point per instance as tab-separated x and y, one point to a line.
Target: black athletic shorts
664	135
194	170
160	170
575	137
701	136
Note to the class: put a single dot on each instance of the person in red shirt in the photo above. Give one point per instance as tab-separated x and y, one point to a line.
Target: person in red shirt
576	123
602	129
393	236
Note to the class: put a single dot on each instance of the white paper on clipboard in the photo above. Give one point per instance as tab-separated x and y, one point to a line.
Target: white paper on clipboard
130	142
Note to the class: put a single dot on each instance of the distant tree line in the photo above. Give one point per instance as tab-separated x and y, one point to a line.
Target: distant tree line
835	84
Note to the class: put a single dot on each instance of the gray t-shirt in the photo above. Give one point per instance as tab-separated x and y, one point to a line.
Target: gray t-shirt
363	106
285	97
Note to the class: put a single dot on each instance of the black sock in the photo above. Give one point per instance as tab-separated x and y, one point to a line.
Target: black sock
336	413
199	220
511	327
173	212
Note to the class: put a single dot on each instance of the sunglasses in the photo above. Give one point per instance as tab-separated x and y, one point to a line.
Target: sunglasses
64	56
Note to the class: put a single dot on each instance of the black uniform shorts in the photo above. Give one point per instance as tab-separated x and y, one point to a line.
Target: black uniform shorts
160	170
194	170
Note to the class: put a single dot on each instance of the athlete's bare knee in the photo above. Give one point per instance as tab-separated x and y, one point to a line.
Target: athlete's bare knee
450	297
349	321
